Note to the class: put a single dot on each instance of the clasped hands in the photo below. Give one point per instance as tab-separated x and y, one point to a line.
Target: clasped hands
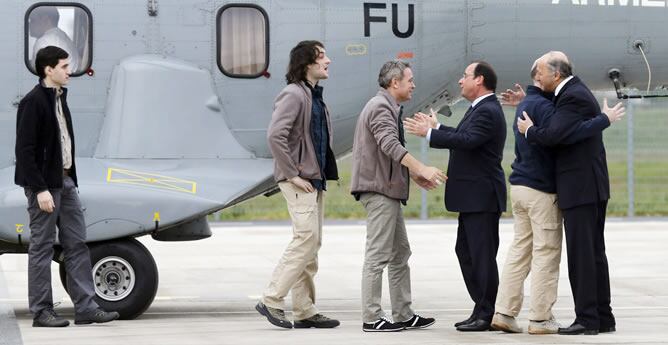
428	177
420	123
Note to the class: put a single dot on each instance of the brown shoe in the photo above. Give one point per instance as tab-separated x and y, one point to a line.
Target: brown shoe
550	326
503	322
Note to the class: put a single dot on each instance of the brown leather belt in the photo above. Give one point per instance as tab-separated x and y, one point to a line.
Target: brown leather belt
66	172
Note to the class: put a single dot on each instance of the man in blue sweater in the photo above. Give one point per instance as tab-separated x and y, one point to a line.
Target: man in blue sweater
537	227
538	221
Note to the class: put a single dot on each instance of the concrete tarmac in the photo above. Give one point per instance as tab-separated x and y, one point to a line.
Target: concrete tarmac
208	290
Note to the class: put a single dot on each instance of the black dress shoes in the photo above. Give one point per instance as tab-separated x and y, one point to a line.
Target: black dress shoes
607	329
576	329
467	321
475	326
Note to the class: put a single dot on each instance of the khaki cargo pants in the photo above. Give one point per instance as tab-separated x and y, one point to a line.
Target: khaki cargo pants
299	263
536	248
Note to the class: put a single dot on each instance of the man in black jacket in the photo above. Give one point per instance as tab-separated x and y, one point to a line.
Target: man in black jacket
45	169
476	186
583	190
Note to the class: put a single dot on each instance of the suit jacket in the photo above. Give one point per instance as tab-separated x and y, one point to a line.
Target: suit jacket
476	182
581	167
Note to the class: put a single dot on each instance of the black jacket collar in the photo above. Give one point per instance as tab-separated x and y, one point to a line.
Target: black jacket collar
491	98
51	91
573	81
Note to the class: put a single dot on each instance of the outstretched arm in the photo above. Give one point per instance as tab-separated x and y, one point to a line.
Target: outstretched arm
513	97
598	123
477	133
566	126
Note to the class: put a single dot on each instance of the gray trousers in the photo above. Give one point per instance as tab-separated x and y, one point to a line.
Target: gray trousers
72	236
386	246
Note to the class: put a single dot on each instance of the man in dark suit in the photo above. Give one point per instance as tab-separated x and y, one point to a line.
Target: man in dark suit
583	190
476	186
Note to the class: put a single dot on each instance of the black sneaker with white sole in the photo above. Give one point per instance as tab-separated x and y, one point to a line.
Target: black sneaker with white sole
382	325
417	322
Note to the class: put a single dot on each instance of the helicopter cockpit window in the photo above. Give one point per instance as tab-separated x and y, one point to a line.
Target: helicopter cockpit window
243	41
68	26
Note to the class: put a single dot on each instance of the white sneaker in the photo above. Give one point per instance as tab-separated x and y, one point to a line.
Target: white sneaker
505	323
550	326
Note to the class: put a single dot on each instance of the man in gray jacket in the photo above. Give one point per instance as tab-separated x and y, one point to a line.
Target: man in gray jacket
381	167
300	139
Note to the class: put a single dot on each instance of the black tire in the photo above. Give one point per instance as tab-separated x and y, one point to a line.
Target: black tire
108	260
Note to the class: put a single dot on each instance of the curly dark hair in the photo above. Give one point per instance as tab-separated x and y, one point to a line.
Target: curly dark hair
302	55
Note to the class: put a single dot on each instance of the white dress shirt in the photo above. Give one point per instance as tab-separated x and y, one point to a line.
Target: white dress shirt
561	85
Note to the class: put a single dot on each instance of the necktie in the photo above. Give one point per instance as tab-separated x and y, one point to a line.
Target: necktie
400	125
466	114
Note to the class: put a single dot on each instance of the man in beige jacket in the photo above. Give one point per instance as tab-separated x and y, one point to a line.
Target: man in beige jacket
381	167
300	139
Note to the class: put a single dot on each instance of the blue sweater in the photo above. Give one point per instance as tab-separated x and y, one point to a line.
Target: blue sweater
534	164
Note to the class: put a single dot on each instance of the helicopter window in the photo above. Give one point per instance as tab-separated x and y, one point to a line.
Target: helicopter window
243	41
68	26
